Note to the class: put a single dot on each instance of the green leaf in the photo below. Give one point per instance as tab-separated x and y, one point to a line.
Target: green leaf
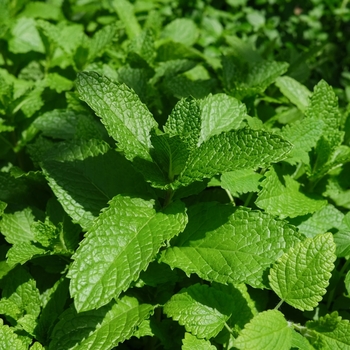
241	181
36	9
25	37
190	342
185	121
303	135
9	339
92	329
347	282
85	175
220	113
203	310
297	93
268	330
126	119
236	149
181	30
100	41
322	221
281	195
224	244
121	243
301	275
22	252
329	332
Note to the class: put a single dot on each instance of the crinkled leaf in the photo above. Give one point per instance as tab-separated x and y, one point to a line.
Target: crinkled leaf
121	243
9	339
301	275
101	40
303	135
22	252
85	175
203	310
224	244
329	332
236	149
268	330
126	119
93	329
281	195
296	92
190	342
241	181
220	113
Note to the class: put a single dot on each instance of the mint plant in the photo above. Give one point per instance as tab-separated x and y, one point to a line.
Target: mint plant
164	184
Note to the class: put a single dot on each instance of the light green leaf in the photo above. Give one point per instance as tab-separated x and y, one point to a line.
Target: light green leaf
285	198
224	244
241	181
185	121
126	119
301	275
142	47
121	243
322	221
347	282
303	135
236	149
268	330
25	37
190	342
36	346
297	93
22	252
181	30
125	12
100	41
220	113
36	9
203	310
9	339
329	332
58	83
85	175
300	342
91	330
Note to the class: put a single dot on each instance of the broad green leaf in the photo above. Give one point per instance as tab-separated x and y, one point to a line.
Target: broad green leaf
36	9
203	310
303	135
122	242
22	252
126	119
93	329
125	12
236	149
142	46
297	93
268	330
57	82
190	342
85	175
241	181
185	121
36	346
301	275
281	195
220	113
329	332
181	30
25	37
300	342
100	41
243	49
224	244
9	339
322	221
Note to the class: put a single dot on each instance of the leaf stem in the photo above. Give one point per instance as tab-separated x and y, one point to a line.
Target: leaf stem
228	328
279	305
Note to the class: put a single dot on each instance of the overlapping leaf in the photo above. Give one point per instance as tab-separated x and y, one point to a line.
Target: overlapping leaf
121	243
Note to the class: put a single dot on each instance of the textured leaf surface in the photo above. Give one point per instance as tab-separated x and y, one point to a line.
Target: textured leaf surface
268	330
126	118
93	329
228	151
329	332
203	310
22	252
226	245
301	275
85	175
241	181
285	198
121	243
9	339
297	93
220	113
190	342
